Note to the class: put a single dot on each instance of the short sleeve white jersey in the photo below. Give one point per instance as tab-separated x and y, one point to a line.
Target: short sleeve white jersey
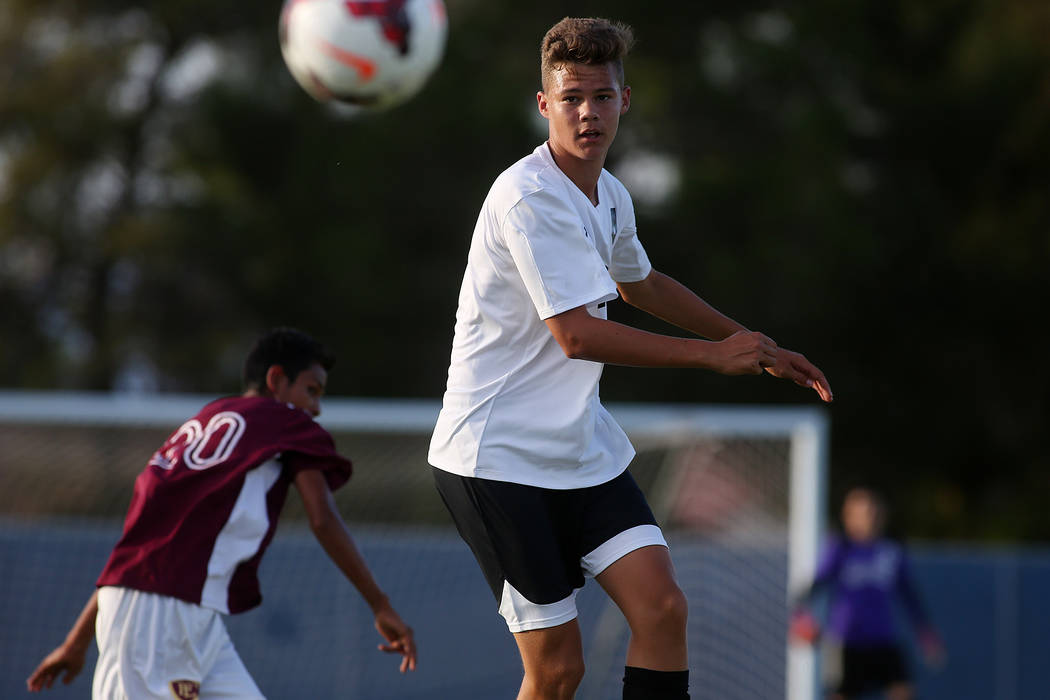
516	408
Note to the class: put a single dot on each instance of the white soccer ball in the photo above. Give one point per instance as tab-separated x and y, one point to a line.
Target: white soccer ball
374	53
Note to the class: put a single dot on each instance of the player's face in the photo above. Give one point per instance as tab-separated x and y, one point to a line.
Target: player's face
860	518
305	392
583	104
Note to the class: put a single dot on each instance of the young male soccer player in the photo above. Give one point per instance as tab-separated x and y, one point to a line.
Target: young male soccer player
202	514
529	463
864	574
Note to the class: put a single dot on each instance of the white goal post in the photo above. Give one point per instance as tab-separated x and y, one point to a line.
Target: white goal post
800	434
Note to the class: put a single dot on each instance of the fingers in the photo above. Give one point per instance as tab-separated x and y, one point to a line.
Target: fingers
824	389
798	369
814	379
767	350
404	646
41	681
746	352
41	678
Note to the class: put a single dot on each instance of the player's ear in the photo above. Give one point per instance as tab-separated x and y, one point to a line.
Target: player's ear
626	97
541	103
274	377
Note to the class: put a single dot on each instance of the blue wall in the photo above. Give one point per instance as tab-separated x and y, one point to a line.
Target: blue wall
313	637
993	610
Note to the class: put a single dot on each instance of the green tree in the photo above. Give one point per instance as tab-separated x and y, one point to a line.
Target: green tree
864	181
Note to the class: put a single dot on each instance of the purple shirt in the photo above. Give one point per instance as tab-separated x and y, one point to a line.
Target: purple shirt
205	507
863	580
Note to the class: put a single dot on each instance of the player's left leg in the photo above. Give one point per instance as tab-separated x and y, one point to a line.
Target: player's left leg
227	677
627	554
894	674
643	586
898	673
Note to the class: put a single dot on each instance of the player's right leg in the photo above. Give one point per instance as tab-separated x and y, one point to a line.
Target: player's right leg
154	647
140	650
517	537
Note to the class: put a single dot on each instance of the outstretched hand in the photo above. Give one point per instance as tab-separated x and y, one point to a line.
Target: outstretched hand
794	366
804	627
61	660
398	636
933	652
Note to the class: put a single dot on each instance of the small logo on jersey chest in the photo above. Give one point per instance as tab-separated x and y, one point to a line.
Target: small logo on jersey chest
185	690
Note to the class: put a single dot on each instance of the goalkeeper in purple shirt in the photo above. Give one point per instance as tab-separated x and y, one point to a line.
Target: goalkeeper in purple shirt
864	575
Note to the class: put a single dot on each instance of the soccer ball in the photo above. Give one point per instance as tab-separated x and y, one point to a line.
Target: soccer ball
373	54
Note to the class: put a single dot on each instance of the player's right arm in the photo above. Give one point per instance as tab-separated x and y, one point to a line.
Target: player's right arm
585	337
330	530
803	625
69	656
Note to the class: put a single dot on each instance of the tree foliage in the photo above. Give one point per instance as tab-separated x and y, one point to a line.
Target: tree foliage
866	182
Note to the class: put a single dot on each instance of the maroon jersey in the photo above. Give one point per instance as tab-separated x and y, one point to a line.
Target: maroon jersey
206	505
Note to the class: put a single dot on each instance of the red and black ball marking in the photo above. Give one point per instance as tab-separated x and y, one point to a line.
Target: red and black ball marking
392	16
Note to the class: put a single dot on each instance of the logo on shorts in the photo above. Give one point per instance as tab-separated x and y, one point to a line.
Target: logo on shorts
185	690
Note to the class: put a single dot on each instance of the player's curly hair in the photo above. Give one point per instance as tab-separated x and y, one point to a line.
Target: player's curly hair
292	349
587	40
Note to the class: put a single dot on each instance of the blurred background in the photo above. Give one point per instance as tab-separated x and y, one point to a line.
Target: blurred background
866	182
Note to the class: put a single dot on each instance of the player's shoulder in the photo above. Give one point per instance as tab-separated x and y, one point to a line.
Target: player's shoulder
532	178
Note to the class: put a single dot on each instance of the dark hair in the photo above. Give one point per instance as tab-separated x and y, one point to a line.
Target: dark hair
588	40
293	350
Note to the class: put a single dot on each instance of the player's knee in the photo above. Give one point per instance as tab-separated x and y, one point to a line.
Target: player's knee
558	679
675	607
668	610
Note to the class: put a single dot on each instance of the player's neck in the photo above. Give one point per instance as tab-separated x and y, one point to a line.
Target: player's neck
583	173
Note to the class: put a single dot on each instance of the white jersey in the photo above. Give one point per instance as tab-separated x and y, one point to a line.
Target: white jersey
516	408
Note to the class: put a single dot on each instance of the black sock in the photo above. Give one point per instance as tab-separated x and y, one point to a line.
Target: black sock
644	684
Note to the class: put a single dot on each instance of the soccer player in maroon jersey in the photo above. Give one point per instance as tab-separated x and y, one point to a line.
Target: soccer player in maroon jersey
202	514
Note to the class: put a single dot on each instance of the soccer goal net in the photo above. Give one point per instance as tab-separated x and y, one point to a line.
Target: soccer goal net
739	492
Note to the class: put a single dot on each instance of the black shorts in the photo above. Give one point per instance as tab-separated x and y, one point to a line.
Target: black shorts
535	545
870	668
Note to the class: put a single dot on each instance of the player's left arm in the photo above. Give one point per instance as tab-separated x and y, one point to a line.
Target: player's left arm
668	299
330	530
929	640
68	657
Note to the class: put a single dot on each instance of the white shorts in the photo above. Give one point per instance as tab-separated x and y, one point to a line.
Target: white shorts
157	647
